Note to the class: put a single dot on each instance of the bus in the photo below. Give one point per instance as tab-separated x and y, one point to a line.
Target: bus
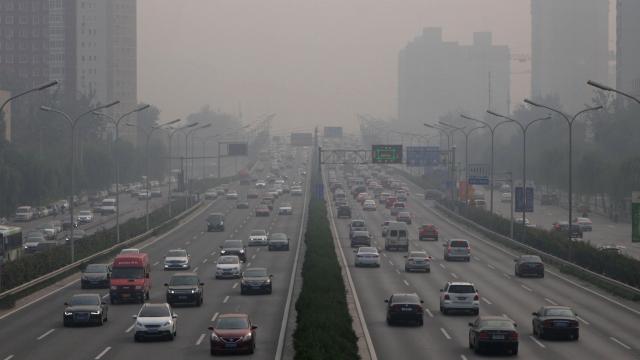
10	242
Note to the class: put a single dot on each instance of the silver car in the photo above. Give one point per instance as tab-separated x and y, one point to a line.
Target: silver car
367	256
228	266
177	259
459	296
258	237
457	249
417	261
155	321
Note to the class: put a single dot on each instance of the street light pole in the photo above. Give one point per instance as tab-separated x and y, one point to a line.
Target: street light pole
171	159
570	121
448	135
116	124
610	89
524	129
492	131
72	124
38	88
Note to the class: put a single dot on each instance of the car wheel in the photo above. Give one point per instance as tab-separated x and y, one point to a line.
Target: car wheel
252	349
541	334
65	323
514	350
542	275
147	295
420	322
535	331
444	310
389	322
170	337
100	321
476	311
406	269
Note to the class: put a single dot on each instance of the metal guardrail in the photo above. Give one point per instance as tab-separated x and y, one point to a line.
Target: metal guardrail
52	275
548	257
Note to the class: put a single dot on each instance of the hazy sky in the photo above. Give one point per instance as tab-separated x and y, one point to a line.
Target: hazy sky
311	62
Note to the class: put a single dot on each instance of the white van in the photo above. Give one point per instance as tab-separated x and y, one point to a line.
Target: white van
397	236
108	206
24	213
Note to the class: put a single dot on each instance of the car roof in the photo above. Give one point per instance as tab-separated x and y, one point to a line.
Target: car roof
85	295
184	274
369	249
460	283
547	307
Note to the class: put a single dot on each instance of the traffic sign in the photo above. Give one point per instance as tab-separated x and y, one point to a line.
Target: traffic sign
386	154
419	156
478	180
635	216
478	174
237	149
333	131
520	203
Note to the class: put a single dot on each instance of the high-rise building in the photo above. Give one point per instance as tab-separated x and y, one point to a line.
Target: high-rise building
436	77
569	40
628	46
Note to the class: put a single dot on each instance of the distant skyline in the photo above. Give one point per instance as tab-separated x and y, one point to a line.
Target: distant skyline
309	62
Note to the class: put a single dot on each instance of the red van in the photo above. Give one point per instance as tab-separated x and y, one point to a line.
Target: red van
130	278
390	201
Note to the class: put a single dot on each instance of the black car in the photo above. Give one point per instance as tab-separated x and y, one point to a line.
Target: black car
255	280
242	205
234	247
529	265
184	288
278	241
344	211
404	308
493	333
96	276
552	321
215	222
85	309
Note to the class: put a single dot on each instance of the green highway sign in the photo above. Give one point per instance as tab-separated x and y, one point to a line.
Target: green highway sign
635	216
386	154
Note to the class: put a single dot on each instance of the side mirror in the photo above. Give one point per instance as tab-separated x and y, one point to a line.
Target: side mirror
147	275
134	316
421	301
471	324
210	328
515	325
165	284
405	256
253	327
103	303
534	313
175	316
201	284
386	300
66	304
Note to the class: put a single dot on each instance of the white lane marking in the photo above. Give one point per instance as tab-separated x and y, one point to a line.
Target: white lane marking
214	317
428	312
253	256
462	357
506	275
249	264
234	286
405	282
397	271
9	357
195	269
583	320
476	258
445	333
525	287
491	267
106	350
550	301
130	328
537	342
156	263
187	243
213	253
195	237
454	275
390	263
45	334
384	254
486	300
258	250
200	339
205	260
225	299
620	343
442	266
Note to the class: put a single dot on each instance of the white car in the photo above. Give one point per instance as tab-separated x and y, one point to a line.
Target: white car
506	197
177	259
232	195
369	205
459	296
285	209
584	223
228	266
211	195
155	321
367	256
85	216
258	237
261	184
296	191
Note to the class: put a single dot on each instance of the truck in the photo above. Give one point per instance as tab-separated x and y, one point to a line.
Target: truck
108	206
130	278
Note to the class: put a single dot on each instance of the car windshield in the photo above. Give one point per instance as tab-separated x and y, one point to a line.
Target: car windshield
370	250
96	268
213	218
496	324
79	300
558	312
179	280
255	273
127	273
258	233
406	299
285	205
530	259
230	323
154	311
177	253
228	260
459	243
462	289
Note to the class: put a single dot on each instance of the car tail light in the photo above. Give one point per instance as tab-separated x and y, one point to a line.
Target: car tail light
513	335
419	308
446	297
476	297
483	335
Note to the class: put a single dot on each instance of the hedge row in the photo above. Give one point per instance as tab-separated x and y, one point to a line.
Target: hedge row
323	323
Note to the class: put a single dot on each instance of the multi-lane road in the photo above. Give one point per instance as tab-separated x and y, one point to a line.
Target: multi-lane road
608	325
35	331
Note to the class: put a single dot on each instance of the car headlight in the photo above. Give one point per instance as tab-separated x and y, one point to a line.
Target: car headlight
246	337
214	337
172	292
84	277
223	252
95	313
268	281
241	251
114	287
221	222
68	313
139	324
166	323
193	291
138	287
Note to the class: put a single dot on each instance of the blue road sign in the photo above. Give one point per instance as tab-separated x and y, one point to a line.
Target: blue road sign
418	156
520	203
478	180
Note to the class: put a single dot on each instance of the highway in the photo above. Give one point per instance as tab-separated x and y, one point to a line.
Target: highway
605	231
608	325
36	331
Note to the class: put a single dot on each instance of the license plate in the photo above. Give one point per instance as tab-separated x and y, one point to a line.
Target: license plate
230	345
406	309
124	295
152	330
498	337
182	297
462	298
561	324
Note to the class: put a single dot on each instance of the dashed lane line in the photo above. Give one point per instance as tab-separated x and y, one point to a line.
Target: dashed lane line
253	256
428	312
526	288
486	300
491	267
406	282
45	334
200	339
156	263
214	317
195	269
506	275
454	275
537	342
130	328
234	286
583	320
550	301
106	350
225	299
620	343
442	266
9	357
445	333
205	260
